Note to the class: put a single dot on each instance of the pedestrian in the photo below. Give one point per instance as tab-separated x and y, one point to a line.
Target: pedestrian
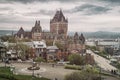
52	65
56	79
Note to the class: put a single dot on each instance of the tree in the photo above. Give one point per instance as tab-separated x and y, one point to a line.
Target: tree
23	48
76	59
87	74
39	59
49	42
8	38
60	46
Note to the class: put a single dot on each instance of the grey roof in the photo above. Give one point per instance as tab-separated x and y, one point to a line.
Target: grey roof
59	17
52	47
1	44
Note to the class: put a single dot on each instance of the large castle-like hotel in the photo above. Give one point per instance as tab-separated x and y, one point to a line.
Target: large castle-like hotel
58	29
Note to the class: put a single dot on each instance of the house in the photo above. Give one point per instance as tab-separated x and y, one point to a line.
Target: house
2	50
52	52
40	48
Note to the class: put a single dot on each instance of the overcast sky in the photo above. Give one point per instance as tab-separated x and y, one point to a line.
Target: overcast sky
83	15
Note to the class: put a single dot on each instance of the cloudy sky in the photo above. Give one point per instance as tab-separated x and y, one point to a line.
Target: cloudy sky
83	15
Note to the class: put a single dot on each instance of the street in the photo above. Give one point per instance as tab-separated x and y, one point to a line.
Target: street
102	62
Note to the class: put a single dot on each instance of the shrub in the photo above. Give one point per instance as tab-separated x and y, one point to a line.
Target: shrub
76	59
83	75
75	67
7	76
39	59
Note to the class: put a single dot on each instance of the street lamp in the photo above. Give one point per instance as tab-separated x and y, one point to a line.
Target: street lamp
100	75
33	65
12	68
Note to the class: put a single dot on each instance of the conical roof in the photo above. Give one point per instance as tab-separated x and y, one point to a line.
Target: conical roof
37	27
58	17
21	31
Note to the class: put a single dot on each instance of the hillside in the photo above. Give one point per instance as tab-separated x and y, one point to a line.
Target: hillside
98	34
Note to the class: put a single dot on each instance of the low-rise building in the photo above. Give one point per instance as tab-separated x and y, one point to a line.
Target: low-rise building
40	48
2	50
52	52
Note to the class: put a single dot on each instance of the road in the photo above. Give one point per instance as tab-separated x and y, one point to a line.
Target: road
102	62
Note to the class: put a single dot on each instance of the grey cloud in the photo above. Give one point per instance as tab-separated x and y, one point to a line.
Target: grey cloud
10	19
29	1
113	1
89	9
5	8
43	12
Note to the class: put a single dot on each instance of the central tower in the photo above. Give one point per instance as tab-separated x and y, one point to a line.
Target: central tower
59	24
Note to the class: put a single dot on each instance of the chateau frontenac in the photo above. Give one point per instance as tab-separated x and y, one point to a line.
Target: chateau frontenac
58	29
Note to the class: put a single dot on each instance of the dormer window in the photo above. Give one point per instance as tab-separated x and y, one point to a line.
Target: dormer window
40	45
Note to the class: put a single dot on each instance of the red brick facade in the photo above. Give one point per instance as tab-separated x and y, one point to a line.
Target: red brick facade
59	24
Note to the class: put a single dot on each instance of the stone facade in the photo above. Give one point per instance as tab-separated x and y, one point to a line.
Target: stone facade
77	44
34	34
58	29
36	31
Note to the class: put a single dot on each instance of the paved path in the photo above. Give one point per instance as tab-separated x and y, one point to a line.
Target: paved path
102	62
50	72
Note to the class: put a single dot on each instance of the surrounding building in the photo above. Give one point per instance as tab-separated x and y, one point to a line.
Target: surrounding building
77	44
58	34
52	53
36	31
40	48
34	34
2	50
89	59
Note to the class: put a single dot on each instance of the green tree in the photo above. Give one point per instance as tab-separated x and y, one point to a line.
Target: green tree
49	42
23	48
8	38
76	59
39	59
87	74
60	46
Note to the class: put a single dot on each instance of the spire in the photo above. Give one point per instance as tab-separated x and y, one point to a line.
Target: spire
58	17
76	34
36	23
39	23
21	31
82	38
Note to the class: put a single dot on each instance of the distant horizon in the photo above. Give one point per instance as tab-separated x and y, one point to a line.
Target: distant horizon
68	31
